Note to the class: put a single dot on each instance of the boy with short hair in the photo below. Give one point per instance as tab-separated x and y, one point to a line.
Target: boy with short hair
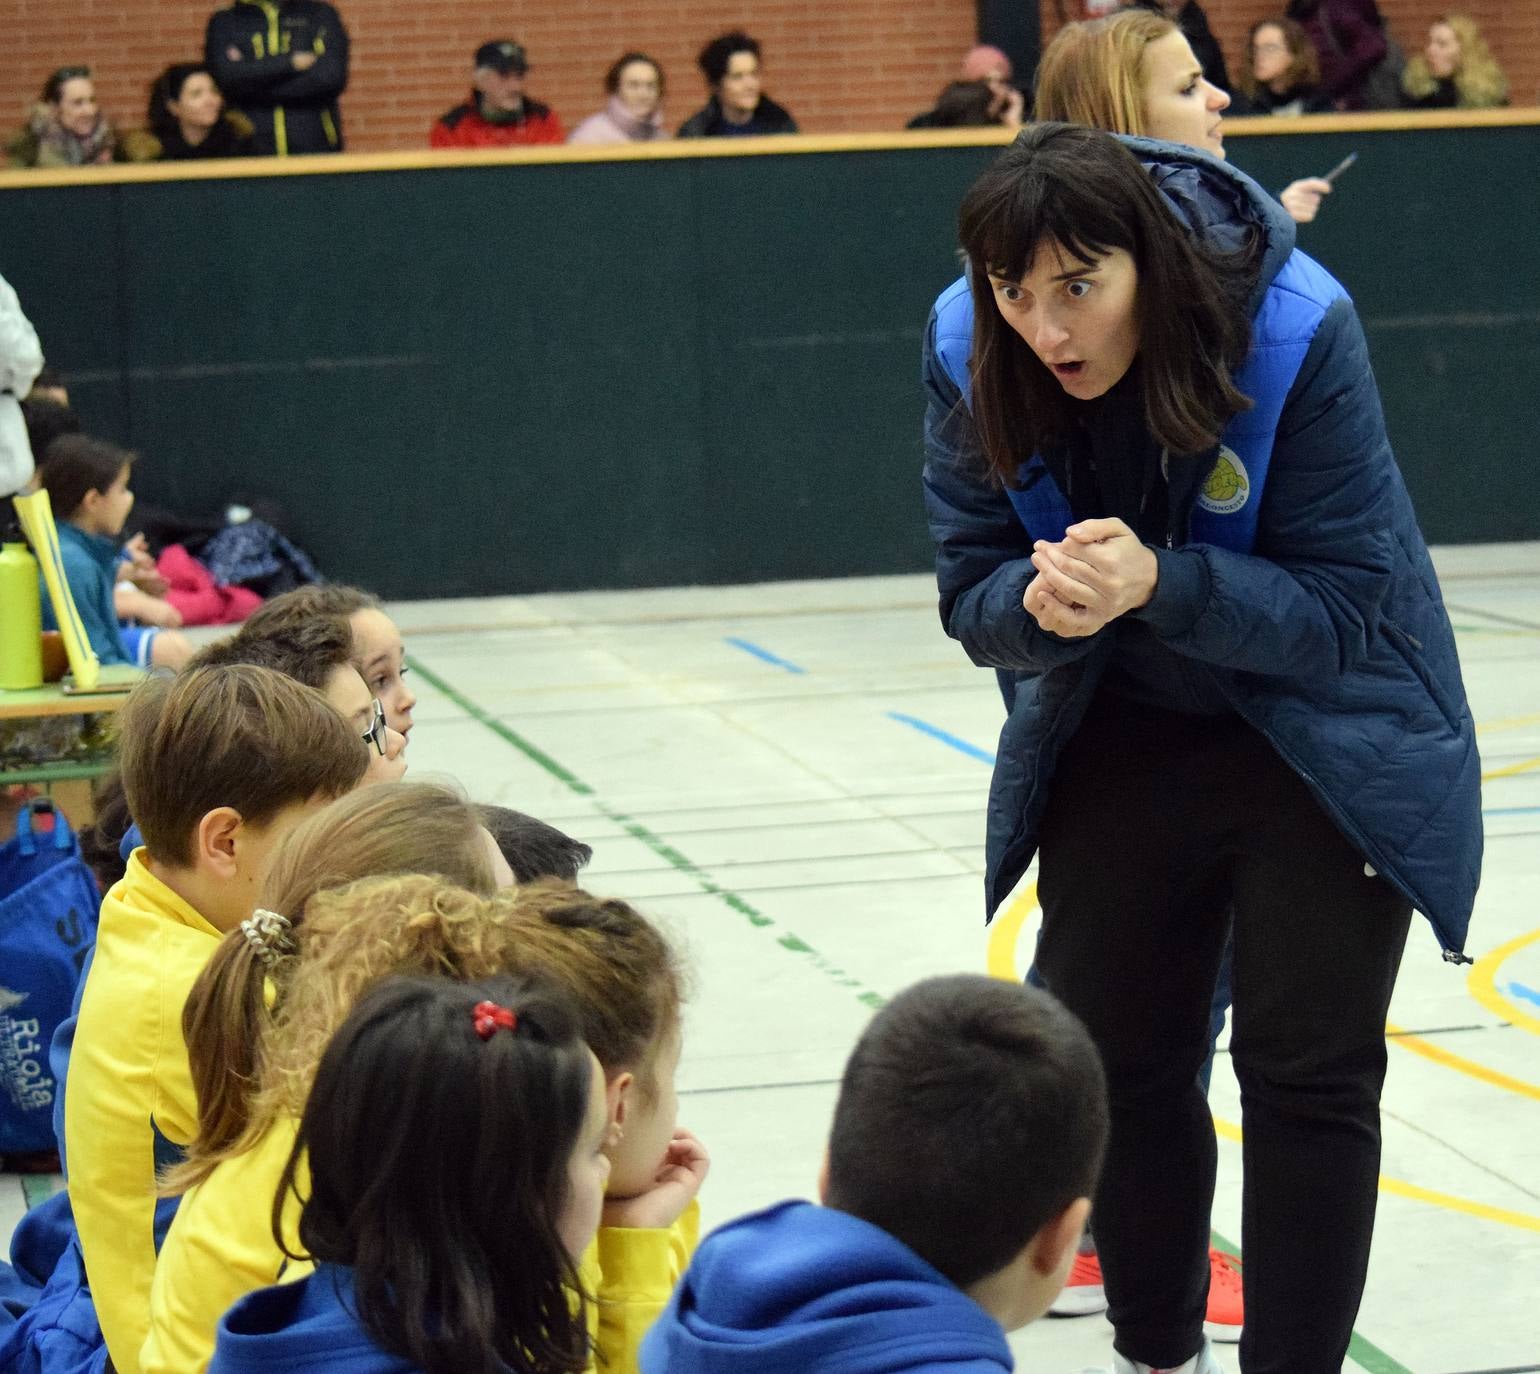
319	653
217	766
970	1128
87	484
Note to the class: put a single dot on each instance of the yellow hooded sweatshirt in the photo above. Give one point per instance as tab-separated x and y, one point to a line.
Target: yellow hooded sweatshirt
221	1247
130	1092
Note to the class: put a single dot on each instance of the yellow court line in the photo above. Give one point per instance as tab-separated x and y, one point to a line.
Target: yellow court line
1004	933
1482	983
1398	1187
1415	1044
1508	723
1511	769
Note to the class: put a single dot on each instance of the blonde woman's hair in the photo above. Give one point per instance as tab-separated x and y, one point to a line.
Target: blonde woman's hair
1093	72
392	828
619	971
1478	81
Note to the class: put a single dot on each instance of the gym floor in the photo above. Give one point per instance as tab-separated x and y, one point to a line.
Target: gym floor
792	778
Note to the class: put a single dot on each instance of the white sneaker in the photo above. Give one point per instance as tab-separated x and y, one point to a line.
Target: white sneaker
1201	1363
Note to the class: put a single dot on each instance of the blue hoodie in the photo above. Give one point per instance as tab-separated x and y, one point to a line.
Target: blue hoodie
818	1291
309	1325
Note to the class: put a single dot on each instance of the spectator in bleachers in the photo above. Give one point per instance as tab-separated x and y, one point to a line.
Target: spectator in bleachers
1281	75
1350	42
634	113
738	104
187	119
986	63
1456	70
1188	16
67	127
282	64
966	105
498	114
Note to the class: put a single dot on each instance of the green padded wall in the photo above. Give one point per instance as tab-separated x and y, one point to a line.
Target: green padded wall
507	378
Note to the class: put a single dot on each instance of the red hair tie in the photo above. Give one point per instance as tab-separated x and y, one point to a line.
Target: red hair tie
488	1018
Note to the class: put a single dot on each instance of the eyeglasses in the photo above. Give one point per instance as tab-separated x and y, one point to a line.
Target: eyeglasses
375	734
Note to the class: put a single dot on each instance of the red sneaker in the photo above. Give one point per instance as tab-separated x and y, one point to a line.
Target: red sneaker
1083	1294
1226	1309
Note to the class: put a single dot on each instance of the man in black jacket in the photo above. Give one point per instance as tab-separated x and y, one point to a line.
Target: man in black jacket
282	64
1188	15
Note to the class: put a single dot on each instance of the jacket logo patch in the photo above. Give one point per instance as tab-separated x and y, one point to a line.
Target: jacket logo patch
1228	487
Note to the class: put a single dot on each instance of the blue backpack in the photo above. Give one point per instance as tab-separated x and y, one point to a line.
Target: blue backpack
49	905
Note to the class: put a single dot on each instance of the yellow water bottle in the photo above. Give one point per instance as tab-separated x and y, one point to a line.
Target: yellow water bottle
21	618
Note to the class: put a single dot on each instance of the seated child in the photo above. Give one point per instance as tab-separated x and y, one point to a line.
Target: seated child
87	484
329	948
454	1149
217	765
378	653
969	1132
221	1245
533	849
319	653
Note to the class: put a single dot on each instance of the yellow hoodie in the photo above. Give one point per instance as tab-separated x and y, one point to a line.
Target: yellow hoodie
130	1092
221	1247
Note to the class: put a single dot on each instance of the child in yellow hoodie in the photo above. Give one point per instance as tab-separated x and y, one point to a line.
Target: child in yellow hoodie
260	1018
217	766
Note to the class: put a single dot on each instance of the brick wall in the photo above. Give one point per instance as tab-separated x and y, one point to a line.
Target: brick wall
1511	27
839	65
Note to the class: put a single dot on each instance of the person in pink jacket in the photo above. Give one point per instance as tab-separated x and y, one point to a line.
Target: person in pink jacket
634	113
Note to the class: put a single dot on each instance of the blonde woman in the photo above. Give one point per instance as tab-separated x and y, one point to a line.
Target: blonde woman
1456	70
1135	73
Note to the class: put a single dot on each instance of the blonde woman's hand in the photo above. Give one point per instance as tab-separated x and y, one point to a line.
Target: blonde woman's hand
1302	199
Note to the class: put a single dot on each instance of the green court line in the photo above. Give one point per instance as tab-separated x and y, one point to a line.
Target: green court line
676	860
1364	1353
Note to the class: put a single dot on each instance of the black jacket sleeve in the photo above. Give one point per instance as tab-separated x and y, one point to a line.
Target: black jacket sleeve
329	77
247	76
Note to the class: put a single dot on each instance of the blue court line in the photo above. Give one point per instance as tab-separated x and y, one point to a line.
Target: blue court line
984	756
749	647
936	732
1528	994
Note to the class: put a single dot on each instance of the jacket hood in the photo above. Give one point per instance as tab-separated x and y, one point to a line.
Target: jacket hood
305	1327
817	1290
1219	203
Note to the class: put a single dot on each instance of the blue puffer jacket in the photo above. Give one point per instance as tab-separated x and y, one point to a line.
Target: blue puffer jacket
1297	583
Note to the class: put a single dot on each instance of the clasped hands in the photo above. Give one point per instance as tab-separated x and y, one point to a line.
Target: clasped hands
1096	572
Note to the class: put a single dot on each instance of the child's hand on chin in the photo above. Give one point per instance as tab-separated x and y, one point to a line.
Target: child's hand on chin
678	1180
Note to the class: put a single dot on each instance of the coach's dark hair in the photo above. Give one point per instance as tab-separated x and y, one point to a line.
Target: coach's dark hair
439	1173
533	849
1083	191
715	56
972	1113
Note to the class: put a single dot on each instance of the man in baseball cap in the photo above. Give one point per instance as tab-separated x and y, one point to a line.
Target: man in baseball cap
498	114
